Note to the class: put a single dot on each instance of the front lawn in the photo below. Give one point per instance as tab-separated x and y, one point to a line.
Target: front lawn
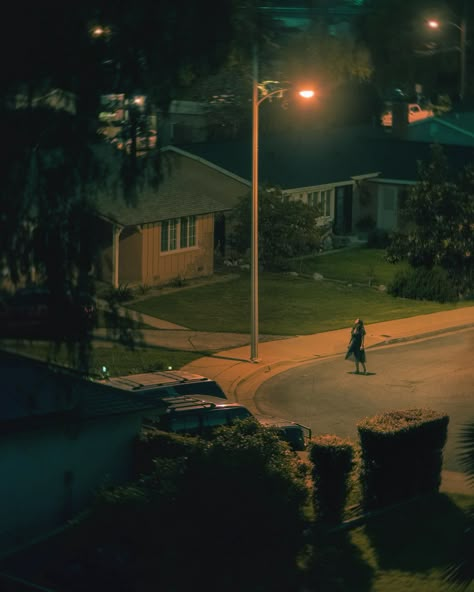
118	359
356	265
288	305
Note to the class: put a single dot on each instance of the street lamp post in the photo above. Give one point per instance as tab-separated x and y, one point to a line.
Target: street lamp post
256	101
462	50
254	230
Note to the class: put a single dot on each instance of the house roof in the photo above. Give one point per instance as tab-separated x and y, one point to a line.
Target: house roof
34	393
329	157
452	128
461	119
175	196
290	161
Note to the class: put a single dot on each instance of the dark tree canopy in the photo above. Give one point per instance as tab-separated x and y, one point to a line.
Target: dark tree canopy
401	44
439	211
58	60
286	228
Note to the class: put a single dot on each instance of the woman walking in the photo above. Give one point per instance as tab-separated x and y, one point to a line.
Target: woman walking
356	345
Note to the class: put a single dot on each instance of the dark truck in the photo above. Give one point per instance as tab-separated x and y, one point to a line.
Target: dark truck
168	383
199	416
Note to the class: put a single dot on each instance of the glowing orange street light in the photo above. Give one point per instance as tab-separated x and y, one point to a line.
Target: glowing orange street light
256	101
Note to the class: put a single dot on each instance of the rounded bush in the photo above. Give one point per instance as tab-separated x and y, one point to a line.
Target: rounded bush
378	238
421	283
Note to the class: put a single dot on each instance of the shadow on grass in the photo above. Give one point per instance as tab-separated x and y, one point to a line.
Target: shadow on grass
337	565
417	536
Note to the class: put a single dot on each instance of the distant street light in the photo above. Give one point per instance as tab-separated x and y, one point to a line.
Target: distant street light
100	31
256	101
434	24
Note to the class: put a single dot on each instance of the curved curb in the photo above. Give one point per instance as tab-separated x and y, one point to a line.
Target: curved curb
282	365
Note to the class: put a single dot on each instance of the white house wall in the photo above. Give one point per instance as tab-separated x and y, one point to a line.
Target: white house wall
49	474
303	195
387	213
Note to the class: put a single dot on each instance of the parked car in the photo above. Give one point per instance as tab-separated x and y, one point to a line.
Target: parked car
415	113
199	416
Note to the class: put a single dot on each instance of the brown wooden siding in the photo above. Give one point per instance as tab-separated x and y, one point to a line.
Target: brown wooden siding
130	269
161	268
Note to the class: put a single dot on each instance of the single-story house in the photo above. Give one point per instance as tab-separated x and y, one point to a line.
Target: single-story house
172	231
61	438
351	173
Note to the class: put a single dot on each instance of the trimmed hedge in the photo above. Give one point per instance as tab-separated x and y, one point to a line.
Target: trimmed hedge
153	443
378	238
402	455
421	283
333	460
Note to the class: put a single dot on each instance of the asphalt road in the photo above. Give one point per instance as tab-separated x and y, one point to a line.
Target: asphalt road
435	373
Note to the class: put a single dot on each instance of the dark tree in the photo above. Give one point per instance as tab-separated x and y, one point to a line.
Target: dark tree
439	215
403	48
58	60
286	228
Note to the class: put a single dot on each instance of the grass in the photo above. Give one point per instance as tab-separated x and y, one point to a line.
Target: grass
288	305
407	549
118	359
359	265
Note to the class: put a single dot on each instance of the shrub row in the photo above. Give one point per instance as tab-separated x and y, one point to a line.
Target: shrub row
401	455
423	284
333	461
153	443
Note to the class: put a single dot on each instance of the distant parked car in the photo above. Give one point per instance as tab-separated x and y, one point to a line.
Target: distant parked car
415	113
199	416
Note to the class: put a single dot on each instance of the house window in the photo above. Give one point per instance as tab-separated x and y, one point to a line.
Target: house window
176	232
187	232
321	200
168	235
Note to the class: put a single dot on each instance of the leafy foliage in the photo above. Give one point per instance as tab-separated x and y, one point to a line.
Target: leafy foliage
402	455
333	460
460	574
286	228
329	59
393	30
378	238
241	493
439	211
423	284
54	163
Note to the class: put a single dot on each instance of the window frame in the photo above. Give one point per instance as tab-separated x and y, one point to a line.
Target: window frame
178	234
